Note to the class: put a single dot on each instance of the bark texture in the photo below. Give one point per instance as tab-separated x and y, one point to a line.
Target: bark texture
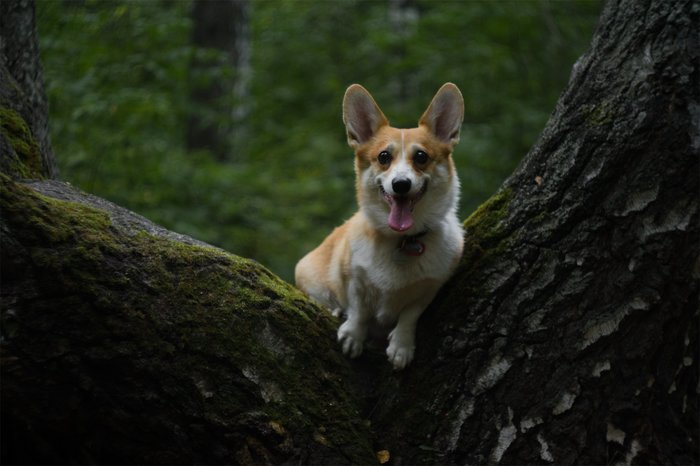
20	65
569	333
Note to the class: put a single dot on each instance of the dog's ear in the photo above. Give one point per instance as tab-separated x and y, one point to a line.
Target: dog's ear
361	115
445	114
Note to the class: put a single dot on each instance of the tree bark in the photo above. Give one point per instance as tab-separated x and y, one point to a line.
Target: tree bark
21	65
220	25
569	333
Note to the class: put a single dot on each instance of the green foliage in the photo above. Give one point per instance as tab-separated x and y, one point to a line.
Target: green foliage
118	76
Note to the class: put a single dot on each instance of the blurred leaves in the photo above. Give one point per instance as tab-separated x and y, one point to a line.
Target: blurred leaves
118	78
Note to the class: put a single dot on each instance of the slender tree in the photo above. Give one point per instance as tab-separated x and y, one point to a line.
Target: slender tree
569	333
219	26
403	19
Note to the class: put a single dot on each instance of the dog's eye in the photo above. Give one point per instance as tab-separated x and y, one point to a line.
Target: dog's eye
384	157
420	158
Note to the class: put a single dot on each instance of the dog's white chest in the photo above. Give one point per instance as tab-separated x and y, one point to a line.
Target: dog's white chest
388	267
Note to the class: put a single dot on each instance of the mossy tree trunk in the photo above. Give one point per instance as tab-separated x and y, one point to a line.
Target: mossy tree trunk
23	90
569	333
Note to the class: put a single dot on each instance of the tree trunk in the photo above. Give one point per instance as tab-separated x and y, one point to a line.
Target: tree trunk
569	333
221	26
403	18
20	64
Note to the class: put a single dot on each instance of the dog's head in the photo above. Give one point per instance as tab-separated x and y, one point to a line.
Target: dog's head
406	179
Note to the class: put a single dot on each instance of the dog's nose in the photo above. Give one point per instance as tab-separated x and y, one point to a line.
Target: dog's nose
401	185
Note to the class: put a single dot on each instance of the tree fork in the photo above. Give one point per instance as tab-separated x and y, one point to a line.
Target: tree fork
569	334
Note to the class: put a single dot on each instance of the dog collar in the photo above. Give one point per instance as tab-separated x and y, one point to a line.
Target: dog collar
411	246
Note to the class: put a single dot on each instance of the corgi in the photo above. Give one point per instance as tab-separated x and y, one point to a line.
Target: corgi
386	263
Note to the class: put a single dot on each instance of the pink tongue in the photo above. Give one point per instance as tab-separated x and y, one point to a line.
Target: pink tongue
400	218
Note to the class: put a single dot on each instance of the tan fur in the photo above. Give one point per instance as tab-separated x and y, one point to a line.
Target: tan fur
360	268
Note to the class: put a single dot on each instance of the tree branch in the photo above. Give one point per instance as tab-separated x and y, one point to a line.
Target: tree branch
124	343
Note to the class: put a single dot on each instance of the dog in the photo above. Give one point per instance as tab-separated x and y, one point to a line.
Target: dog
387	262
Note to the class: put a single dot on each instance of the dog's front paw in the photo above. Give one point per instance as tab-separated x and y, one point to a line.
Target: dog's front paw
400	356
351	338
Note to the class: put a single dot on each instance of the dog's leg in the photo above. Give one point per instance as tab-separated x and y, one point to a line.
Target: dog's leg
402	340
353	332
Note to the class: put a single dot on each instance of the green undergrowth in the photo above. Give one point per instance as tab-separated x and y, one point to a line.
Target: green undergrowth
218	333
24	161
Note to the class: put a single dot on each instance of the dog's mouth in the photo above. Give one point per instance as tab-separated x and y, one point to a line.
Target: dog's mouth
401	208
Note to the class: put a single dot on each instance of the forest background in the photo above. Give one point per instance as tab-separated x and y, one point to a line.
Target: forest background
128	81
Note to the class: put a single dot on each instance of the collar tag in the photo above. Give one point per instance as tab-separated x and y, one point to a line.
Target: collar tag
411	246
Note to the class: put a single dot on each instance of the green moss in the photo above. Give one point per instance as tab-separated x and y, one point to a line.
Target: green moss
26	161
485	241
484	226
216	332
598	114
50	220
